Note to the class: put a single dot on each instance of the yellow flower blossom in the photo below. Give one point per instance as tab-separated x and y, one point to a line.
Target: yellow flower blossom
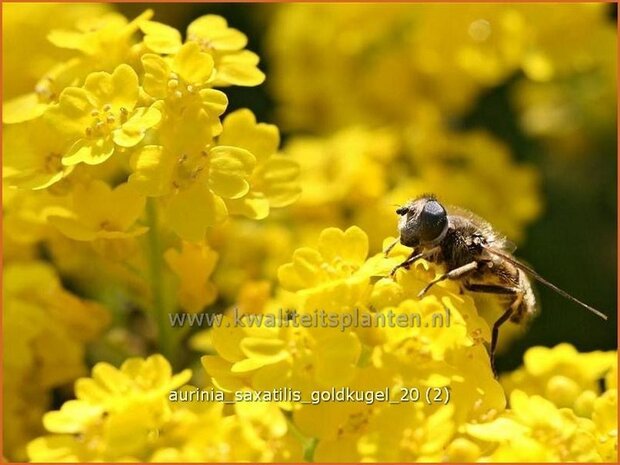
100	212
536	430
233	64
103	115
193	266
273	183
330	277
605	417
196	183
116	416
184	82
560	374
34	162
345	170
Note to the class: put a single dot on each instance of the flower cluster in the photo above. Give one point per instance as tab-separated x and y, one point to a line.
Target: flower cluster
118	160
126	415
124	120
554	408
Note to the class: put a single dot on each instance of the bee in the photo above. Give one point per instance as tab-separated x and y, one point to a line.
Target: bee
474	254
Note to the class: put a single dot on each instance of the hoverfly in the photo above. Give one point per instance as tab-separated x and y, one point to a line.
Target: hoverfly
474	254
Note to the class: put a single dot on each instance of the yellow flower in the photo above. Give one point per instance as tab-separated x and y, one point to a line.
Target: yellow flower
233	64
331	277
536	430
104	39
103	115
100	212
560	374
26	214
249	432
34	162
196	183
184	81
193	265
605	417
273	183
116	415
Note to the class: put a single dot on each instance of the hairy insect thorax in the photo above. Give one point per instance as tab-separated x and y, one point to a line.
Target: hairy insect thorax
461	244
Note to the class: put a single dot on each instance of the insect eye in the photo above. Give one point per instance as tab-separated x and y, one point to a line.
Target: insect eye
402	211
433	220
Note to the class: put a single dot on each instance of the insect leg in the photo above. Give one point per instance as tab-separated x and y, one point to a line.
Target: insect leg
412	258
494	335
504	290
452	274
391	246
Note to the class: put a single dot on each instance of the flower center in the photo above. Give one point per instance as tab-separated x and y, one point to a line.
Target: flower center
206	45
104	121
179	89
188	169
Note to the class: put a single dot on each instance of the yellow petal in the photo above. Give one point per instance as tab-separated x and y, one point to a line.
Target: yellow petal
23	108
214	30
152	170
261	347
71	40
279	177
241	130
156	75
161	38
254	205
229	170
193	210
214	101
132	132
227	340
119	89
192	65
302	272
239	69
72	228
350	245
73	417
501	429
89	151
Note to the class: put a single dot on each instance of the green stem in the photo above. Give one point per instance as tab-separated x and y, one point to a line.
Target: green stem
156	267
309	444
